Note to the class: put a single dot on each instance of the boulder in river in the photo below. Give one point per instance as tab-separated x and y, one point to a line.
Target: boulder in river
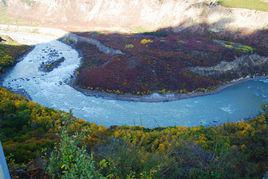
51	65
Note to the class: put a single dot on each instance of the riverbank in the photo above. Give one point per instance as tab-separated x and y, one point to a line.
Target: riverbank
16	52
41	129
52	89
155	97
162	61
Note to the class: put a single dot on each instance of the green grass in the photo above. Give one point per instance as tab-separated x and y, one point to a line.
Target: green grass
139	29
247	4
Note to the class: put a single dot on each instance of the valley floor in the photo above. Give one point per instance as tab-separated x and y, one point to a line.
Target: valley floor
28	129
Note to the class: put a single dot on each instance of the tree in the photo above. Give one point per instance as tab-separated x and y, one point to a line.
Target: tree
68	160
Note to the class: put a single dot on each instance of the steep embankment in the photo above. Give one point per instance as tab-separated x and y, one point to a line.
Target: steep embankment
138	15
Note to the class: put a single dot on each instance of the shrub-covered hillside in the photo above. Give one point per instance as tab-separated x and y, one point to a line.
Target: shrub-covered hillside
9	52
231	150
166	62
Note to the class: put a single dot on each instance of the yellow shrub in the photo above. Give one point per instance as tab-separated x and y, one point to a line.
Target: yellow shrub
161	147
146	41
129	46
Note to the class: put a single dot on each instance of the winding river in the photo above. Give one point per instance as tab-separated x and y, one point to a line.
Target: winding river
234	103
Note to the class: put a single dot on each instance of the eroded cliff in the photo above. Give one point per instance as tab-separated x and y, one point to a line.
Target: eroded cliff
137	15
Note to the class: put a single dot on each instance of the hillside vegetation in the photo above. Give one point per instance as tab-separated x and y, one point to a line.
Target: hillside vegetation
260	5
231	150
9	52
164	61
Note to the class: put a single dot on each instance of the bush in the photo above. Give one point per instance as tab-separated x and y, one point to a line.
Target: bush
146	41
68	160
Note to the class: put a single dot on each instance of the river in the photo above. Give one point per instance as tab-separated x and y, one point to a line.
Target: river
51	89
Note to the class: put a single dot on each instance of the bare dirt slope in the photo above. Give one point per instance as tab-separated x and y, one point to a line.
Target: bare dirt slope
137	15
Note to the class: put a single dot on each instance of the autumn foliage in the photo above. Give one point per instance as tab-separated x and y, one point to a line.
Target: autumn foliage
153	62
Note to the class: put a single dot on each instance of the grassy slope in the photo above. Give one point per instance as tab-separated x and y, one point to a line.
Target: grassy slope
247	4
